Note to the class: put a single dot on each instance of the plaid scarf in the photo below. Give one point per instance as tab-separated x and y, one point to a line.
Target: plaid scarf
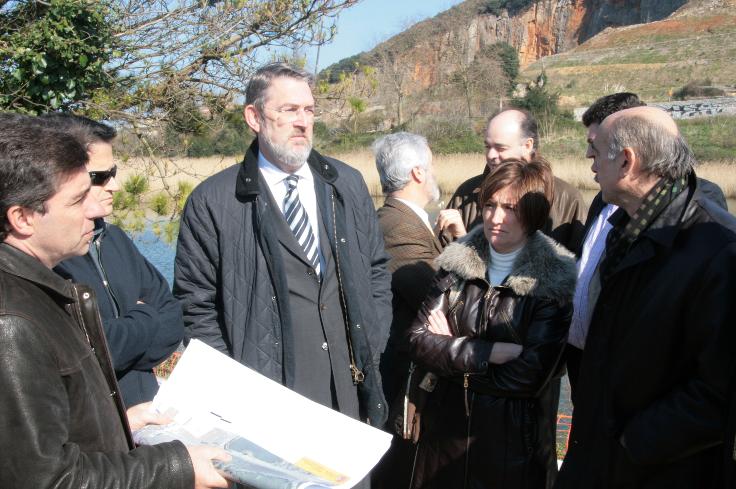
627	230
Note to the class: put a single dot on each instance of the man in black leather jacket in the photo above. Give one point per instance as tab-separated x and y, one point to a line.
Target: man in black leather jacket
62	421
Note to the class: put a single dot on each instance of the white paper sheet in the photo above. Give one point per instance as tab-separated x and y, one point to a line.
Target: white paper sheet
208	390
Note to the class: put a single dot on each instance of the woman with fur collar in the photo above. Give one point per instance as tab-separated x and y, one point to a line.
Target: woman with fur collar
491	333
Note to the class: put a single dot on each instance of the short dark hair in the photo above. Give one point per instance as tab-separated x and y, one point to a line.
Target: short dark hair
262	78
609	104
529	126
533	184
90	130
10	119
34	160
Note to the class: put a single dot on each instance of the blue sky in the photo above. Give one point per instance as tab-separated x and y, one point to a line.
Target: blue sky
361	27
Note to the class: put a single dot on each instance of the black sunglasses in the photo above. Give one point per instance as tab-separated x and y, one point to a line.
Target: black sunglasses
101	177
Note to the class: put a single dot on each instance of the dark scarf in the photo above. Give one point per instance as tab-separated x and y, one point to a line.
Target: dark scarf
626	231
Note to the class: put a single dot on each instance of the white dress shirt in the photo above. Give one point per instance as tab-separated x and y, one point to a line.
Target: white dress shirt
276	180
417	210
586	292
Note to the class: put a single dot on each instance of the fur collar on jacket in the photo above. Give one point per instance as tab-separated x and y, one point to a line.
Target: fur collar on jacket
543	268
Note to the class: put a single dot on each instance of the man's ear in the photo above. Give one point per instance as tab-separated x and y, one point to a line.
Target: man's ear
21	220
630	163
529	144
418	174
252	118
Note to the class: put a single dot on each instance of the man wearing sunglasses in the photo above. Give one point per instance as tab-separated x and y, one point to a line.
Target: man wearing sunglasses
142	320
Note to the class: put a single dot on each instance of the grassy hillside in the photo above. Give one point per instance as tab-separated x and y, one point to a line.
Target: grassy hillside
649	59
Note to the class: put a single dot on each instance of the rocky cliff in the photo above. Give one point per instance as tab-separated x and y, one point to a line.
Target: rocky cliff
535	28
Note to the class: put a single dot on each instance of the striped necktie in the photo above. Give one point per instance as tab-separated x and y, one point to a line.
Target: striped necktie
296	217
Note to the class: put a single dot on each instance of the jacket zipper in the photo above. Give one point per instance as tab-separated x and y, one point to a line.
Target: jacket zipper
105	281
466	383
355	373
469	414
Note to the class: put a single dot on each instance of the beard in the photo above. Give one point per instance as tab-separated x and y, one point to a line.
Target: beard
433	190
290	158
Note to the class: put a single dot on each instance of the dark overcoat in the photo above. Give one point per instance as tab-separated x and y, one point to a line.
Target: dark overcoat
487	425
230	276
659	359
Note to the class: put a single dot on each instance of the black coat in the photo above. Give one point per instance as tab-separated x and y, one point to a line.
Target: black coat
229	272
574	354
660	357
729	443
499	431
62	422
141	336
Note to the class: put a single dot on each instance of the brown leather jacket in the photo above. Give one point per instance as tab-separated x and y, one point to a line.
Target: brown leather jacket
487	425
566	217
62	422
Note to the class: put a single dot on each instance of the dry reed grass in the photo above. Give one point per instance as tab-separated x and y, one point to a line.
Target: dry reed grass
170	171
451	170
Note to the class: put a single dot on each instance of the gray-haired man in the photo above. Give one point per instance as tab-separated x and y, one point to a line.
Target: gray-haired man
404	164
659	358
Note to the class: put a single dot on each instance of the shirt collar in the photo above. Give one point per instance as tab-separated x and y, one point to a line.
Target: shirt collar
275	175
417	210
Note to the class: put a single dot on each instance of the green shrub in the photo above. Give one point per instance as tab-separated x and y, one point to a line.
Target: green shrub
711	138
698	89
161	204
343	142
183	190
495	7
120	200
136	185
543	105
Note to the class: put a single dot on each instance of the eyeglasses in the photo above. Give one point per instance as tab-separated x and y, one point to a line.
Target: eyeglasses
290	113
102	177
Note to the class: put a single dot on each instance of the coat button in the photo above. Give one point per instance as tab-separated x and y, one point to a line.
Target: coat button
324	346
323	307
85	296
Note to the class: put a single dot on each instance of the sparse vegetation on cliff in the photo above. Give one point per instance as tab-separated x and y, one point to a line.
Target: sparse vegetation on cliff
653	60
496	7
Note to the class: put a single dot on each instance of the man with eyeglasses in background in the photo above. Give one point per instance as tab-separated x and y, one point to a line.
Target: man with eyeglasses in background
141	318
280	261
